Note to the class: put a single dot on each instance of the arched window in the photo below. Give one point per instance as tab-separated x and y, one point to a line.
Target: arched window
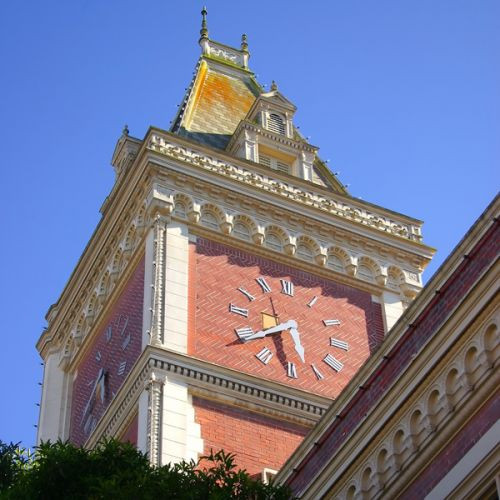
276	124
180	209
241	231
334	263
209	220
273	242
304	252
364	272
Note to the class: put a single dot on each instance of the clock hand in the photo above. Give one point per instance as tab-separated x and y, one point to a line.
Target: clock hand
296	340
98	380
274	310
274	329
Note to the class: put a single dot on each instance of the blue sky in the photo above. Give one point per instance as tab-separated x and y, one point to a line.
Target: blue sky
403	98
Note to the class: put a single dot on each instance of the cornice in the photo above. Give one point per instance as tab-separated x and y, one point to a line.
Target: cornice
294	191
274	137
211	381
196	156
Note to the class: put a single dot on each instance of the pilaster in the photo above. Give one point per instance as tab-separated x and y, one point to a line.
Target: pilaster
154	420
180	433
53	407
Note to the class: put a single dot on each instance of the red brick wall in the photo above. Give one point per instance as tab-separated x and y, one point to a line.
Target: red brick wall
124	319
258	441
217	273
468	436
416	336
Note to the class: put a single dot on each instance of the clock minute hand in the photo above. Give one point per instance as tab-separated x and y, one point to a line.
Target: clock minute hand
296	340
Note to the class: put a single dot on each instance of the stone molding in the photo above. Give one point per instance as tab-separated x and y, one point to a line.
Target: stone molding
163	144
207	380
154	387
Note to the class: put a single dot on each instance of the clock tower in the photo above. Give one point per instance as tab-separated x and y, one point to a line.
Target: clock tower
232	288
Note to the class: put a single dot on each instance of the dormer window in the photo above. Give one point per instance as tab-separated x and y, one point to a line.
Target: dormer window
275	123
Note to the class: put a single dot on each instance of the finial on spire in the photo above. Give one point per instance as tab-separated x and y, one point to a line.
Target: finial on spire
244	43
274	86
204	29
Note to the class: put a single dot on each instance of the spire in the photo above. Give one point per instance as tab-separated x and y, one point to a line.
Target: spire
204	29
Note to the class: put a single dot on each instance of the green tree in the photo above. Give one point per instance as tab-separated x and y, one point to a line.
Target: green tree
116	470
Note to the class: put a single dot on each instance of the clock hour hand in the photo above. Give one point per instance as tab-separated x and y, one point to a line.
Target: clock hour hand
274	329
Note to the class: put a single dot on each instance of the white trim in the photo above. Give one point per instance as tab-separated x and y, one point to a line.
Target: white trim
148	290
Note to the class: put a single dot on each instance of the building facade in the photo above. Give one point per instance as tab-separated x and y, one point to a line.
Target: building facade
232	289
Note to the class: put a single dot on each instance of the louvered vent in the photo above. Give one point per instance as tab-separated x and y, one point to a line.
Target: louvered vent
265	160
276	124
274	163
283	167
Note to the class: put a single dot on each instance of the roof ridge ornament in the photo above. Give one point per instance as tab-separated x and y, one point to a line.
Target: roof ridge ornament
274	86
204	28
244	43
204	41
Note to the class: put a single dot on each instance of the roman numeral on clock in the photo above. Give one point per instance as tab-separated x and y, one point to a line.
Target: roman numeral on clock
238	310
265	355
287	287
339	343
318	374
263	284
247	294
243	333
331	322
126	342
312	301
121	368
333	363
109	333
291	370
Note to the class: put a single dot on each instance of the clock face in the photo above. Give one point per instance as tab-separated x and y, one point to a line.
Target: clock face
107	358
281	323
107	369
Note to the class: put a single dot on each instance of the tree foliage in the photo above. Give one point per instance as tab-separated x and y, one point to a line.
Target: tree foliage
116	470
